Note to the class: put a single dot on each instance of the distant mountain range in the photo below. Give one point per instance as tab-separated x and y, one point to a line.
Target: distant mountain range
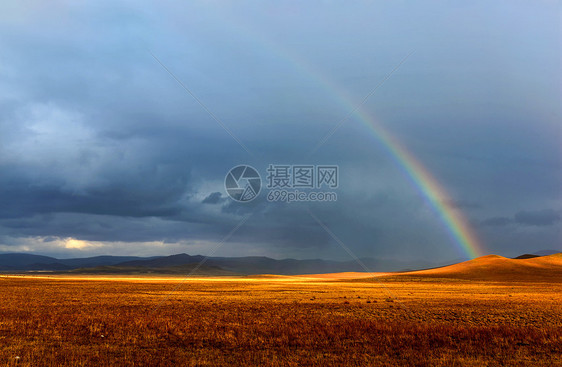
249	265
27	262
184	263
546	252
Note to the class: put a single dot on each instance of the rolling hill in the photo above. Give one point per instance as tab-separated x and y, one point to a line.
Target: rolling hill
498	268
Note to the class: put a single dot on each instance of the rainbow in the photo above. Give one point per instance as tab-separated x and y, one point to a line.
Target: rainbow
428	187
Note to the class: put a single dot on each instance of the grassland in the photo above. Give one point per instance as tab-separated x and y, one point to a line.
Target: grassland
278	321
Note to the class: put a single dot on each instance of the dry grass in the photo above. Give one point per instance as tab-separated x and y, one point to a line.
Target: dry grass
279	321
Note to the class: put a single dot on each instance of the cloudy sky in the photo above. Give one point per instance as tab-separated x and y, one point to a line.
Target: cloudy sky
102	151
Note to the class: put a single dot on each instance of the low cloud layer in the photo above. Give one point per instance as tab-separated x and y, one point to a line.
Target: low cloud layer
546	217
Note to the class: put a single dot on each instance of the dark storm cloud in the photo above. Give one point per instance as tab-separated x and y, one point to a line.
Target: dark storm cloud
21	199
545	217
214	198
539	218
496	222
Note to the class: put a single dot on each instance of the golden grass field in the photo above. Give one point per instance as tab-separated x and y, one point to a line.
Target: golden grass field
411	319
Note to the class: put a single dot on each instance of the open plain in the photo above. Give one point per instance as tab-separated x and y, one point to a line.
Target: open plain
406	319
